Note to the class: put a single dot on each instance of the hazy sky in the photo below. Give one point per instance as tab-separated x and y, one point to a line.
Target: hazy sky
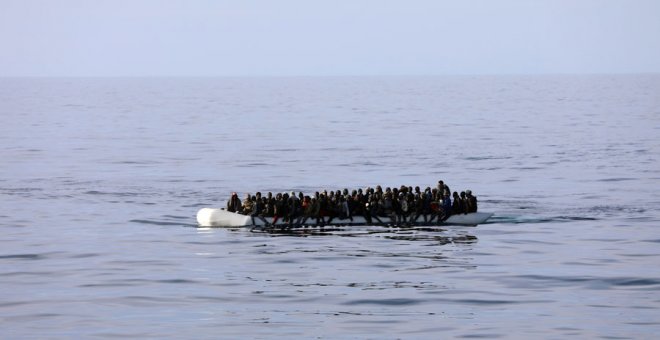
319	37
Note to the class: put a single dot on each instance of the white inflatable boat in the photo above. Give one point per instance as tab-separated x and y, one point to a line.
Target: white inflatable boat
210	217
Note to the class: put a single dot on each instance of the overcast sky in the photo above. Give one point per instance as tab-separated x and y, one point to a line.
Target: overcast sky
322	37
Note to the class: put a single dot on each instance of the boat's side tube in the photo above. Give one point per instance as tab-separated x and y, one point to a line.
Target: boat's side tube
208	217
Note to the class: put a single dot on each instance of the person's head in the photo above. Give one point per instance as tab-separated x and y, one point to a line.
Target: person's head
463	194
468	192
455	194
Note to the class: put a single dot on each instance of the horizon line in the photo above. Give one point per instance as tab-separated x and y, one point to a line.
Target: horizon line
648	73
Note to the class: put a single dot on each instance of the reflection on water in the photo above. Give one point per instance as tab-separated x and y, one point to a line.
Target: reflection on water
426	233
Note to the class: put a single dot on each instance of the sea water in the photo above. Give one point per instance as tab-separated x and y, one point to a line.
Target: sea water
100	181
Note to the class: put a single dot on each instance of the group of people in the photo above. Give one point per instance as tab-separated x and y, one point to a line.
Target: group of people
404	205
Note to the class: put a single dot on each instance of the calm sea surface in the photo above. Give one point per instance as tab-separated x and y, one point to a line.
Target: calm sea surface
100	181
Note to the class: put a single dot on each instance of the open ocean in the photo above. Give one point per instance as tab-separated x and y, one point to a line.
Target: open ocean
101	178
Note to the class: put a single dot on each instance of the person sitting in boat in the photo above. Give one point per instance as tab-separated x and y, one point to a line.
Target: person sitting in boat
366	212
388	207
402	208
465	202
443	188
417	207
305	210
355	203
286	212
378	192
374	208
258	208
293	208
471	202
316	209
345	211
442	210
269	207
234	204
446	206
335	206
279	208
410	197
350	206
247	206
435	209
427	196
396	208
457	206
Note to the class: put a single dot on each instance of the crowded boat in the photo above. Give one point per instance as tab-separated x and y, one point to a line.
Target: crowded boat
395	206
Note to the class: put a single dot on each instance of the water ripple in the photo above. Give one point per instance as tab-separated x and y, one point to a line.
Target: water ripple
386	302
591	282
23	256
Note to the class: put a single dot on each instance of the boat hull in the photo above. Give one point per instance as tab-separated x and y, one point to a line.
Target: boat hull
211	217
